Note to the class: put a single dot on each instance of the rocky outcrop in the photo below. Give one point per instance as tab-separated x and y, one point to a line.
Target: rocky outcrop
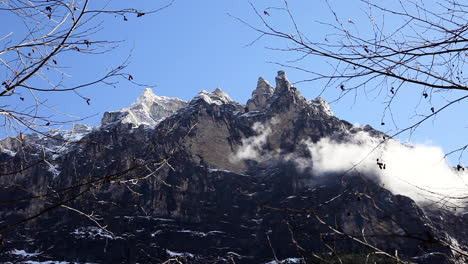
209	181
260	95
282	82
321	105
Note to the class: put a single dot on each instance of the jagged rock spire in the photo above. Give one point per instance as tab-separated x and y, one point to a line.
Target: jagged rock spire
282	82
260	95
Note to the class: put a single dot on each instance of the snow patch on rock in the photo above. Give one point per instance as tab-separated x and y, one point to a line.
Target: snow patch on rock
9	152
177	254
23	253
53	169
77	132
92	232
287	261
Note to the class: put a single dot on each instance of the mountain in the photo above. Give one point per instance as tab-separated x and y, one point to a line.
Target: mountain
210	181
148	110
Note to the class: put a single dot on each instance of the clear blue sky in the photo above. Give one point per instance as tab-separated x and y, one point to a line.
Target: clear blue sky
195	45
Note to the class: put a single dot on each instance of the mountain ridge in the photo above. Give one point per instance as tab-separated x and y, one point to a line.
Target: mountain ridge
213	181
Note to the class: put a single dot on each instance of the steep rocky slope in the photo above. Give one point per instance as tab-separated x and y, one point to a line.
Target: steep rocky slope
209	181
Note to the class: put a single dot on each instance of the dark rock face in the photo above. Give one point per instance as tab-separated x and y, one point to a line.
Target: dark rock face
209	184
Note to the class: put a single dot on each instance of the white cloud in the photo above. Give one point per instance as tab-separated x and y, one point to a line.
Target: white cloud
418	171
252	148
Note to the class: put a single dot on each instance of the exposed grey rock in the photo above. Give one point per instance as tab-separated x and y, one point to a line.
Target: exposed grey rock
260	95
321	106
282	82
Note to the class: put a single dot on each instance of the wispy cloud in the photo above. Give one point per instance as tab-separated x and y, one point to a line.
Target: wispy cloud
253	148
417	171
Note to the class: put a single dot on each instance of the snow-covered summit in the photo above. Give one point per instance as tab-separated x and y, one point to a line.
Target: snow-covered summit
149	109
217	97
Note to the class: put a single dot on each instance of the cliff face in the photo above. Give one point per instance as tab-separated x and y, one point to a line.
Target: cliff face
208	181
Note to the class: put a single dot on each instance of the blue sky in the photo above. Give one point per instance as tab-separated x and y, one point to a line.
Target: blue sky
195	45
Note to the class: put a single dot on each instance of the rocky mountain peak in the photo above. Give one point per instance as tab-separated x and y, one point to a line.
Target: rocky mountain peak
221	94
263	87
286	97
321	105
218	97
260	95
148	110
282	82
147	95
